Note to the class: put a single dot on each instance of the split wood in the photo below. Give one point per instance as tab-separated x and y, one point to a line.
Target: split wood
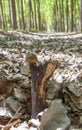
40	75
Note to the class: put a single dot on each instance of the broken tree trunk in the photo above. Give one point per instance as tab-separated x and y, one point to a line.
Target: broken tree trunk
40	75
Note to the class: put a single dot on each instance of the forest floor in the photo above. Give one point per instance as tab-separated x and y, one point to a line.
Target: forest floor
64	87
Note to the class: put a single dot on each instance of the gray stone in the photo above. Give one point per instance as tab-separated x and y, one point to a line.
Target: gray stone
26	84
12	103
22	94
75	88
53	90
17	77
81	120
55	117
25	70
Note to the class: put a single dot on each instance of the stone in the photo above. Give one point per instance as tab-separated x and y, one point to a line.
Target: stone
17	77
26	84
55	117
75	88
25	70
6	86
53	90
22	94
12	103
81	120
5	111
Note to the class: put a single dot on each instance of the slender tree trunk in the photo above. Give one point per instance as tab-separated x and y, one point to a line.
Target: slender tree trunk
9	14
18	14
81	15
39	15
63	24
67	16
13	14
75	6
35	17
56	15
3	19
60	15
72	16
22	13
30	14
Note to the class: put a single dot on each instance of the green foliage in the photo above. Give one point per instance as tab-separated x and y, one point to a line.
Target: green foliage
47	9
53	14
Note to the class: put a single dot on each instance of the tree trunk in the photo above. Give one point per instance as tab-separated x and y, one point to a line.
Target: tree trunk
81	15
22	13
40	75
9	13
3	20
60	15
39	15
35	16
72	16
13	14
63	24
30	14
56	19
67	16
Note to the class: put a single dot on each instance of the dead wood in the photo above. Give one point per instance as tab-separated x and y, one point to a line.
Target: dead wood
40	75
8	126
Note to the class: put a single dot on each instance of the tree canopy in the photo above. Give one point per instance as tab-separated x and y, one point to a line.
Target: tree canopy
41	15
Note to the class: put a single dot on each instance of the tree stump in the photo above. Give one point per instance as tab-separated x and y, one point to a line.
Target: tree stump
40	75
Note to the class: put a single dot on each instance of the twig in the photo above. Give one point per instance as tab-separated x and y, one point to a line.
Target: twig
8	126
14	115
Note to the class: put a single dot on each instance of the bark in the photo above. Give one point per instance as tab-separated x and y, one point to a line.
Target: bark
81	15
13	14
30	9
56	19
39	15
3	19
40	75
35	16
22	13
67	16
72	16
63	24
60	15
9	14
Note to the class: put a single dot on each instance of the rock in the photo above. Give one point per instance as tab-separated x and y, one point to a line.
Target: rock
75	88
6	86
17	77
55	117
13	104
81	120
80	102
4	111
53	90
74	128
22	94
74	98
26	84
25	70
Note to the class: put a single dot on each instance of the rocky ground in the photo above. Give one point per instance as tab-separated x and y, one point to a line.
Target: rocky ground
64	89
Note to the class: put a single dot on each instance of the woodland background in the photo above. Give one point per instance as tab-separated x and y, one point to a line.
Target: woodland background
41	15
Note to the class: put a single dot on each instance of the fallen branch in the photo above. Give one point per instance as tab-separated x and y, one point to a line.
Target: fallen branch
14	115
8	126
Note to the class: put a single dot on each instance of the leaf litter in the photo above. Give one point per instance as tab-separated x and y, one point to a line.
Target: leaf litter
69	70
